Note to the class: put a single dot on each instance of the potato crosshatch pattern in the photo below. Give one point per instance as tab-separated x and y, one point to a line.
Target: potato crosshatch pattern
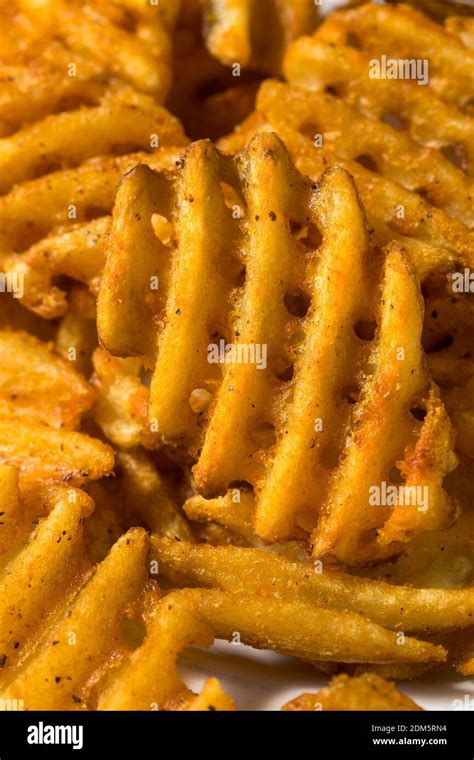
236	356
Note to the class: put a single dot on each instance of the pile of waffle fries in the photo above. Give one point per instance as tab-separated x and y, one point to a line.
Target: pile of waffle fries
237	346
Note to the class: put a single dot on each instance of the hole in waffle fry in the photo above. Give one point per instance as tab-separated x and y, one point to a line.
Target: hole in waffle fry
72	102
282	369
395	475
296	339
418	413
297	303
264	435
232	270
127	20
441	344
365	330
368	536
310	129
133	632
367	162
352	41
424	193
351	394
232	199
240	485
468	107
330	456
456	154
240	278
394	120
199	400
217	335
93	212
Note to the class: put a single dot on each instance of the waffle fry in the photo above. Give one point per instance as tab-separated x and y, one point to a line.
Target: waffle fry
39	413
87	134
120	409
37	384
123	117
63	634
76	336
317	63
367	692
75	250
254	571
433	240
126	39
408	34
209	97
255	35
56	456
230	450
307	632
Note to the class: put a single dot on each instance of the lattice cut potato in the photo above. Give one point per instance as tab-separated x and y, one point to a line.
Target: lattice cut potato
253	33
302	371
126	39
78	636
365	692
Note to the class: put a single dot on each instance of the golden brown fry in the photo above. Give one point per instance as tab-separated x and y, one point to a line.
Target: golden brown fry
176	624
211	698
279	425
254	571
125	121
141	194
308	632
127	39
77	251
366	692
39	385
56	456
446	131
76	336
120	408
147	497
57	674
31	587
256	35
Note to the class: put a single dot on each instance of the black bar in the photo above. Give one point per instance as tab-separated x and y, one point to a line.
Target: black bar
150	734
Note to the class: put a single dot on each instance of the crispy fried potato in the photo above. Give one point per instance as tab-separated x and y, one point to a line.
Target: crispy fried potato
256	35
31	587
124	118
39	385
211	697
366	692
76	336
127	39
176	624
120	408
308	632
57	456
253	571
148	498
260	426
57	673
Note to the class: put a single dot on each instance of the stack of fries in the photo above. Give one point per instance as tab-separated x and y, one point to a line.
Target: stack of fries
237	373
